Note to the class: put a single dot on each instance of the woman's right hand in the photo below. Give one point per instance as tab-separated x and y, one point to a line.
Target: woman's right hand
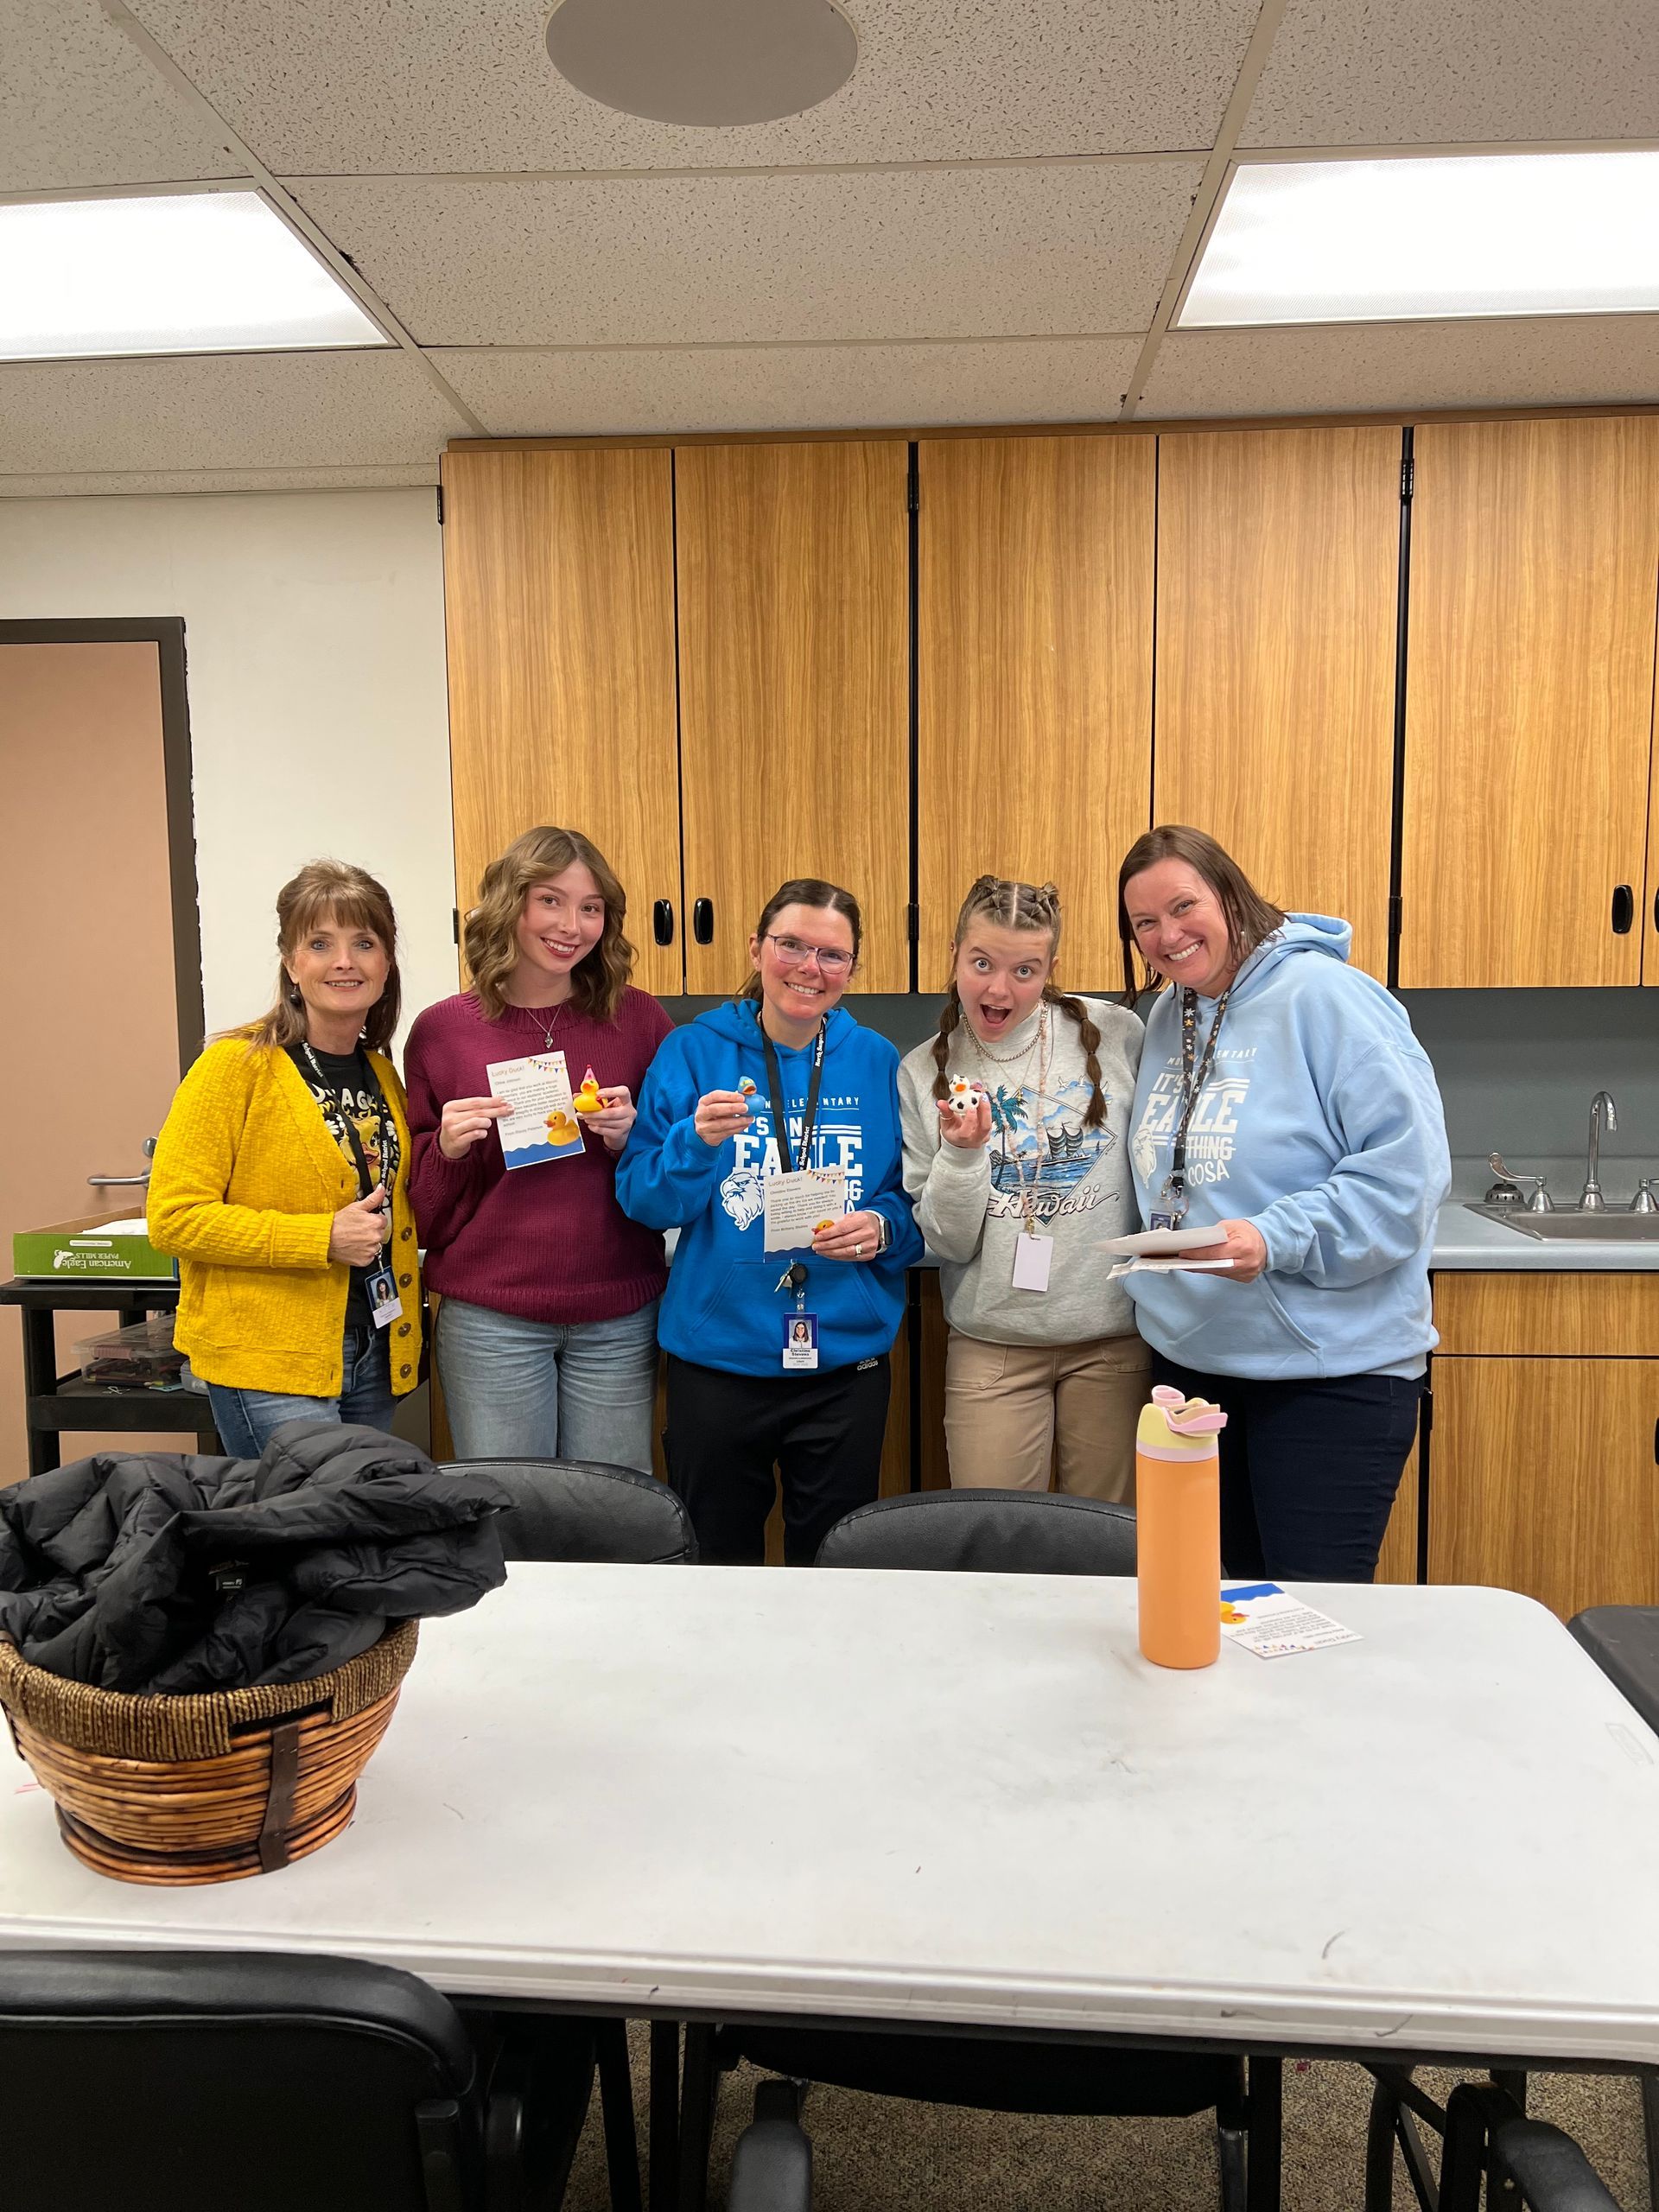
464	1121
359	1230
720	1115
968	1131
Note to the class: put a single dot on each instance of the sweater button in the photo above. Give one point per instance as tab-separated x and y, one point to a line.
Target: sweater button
403	1328
403	1371
404	1234
406	1280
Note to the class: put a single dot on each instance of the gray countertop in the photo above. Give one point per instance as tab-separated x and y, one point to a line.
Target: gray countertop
1463	1239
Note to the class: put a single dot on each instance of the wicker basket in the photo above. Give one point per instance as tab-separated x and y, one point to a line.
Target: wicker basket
178	1790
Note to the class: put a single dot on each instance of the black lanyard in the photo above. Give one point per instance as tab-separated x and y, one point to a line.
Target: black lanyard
779	1119
361	1158
1193	1080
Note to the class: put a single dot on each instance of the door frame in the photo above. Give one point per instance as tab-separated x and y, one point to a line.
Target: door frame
166	633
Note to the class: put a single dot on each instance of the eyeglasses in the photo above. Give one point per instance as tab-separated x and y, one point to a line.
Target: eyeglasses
831	959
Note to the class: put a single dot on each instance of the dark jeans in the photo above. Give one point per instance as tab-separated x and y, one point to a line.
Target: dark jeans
1308	1469
725	1433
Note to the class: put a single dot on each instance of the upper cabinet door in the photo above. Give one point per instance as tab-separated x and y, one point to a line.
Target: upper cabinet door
559	598
794	692
1535	550
1278	586
1035	679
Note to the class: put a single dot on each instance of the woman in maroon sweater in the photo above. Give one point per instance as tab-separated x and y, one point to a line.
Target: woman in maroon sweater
546	1339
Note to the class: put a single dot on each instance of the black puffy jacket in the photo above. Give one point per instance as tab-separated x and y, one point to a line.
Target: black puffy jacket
150	1572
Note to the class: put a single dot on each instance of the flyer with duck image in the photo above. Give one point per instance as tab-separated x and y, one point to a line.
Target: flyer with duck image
543	1124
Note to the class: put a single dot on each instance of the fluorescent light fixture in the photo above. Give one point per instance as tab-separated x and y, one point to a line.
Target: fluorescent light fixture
1424	239
175	272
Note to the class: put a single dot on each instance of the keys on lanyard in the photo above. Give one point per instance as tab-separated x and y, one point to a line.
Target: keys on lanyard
1173	1195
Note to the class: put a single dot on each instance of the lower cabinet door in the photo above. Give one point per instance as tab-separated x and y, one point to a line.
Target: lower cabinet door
1544	1477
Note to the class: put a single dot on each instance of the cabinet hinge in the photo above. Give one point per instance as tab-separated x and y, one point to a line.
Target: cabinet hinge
912	925
454	916
1395	908
1408	478
1426	1412
912	491
439	506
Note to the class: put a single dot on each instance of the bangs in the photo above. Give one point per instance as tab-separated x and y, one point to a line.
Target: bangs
343	909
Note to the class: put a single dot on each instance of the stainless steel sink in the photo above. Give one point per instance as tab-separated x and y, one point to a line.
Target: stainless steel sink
1567	1225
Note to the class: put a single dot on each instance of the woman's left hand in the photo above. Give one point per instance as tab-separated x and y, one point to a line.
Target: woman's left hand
615	1117
852	1236
1246	1247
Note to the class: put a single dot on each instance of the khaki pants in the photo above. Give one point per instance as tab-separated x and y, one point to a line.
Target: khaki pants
1008	1407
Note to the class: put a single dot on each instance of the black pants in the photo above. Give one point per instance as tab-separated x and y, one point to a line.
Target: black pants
726	1433
1308	1470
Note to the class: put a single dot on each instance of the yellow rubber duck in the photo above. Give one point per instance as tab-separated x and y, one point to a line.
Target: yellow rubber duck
561	1129
588	1099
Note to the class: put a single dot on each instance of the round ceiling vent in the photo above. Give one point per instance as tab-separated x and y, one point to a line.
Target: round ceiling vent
709	62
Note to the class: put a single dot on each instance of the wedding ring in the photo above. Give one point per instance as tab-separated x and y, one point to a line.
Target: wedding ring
858	1251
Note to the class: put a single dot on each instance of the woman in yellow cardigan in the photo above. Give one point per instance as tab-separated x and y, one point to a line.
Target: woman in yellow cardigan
281	1181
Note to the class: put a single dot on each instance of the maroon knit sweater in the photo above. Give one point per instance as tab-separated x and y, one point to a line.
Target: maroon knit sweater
550	1242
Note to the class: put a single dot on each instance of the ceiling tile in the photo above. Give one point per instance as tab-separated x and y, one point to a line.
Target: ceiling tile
1561	360
791	388
78	105
1427	72
868	255
337	87
225	411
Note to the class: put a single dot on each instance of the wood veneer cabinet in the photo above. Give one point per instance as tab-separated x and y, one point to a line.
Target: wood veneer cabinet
1278	591
1530	699
1034	613
559	609
794	587
1544	1455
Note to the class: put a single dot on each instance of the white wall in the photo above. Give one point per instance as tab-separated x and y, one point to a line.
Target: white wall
314	631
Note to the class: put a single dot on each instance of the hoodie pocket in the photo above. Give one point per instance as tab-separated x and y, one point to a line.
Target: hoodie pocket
1276	1306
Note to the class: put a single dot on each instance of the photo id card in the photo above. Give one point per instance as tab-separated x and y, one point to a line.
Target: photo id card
380	1288
798	1204
1033	1256
800	1340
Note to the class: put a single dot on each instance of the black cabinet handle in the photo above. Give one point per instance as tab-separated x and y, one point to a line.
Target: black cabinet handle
662	921
1655	910
1656	1443
703	920
1623	909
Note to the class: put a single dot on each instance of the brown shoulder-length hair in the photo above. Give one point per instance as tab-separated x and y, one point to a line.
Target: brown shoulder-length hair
1251	919
806	890
1008	904
490	934
350	898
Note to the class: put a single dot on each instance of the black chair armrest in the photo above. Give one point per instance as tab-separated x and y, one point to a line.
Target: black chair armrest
772	2165
1485	2128
540	2082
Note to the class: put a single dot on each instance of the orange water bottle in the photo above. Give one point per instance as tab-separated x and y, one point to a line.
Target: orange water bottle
1178	1528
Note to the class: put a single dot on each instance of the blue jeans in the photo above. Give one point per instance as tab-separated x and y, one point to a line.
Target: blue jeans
246	1419
517	1389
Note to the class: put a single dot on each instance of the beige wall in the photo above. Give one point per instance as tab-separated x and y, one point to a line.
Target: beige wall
314	628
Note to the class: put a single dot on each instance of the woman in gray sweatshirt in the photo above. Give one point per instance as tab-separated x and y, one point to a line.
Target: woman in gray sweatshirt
1014	1121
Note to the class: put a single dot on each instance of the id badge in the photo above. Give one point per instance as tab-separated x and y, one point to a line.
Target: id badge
800	1341
380	1287
1033	1256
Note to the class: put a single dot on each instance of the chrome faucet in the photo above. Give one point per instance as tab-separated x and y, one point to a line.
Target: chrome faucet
1601	1116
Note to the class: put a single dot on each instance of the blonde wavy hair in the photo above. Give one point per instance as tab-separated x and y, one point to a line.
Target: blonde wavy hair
489	936
349	898
1007	903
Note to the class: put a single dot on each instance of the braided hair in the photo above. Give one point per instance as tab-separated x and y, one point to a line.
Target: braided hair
1009	904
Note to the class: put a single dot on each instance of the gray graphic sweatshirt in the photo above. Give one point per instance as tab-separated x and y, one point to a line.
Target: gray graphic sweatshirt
1079	1182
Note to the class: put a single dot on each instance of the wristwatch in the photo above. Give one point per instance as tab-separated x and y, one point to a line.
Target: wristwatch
884	1238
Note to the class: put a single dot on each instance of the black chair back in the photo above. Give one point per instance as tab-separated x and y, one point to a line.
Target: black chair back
1623	1641
986	1532
584	1510
195	2082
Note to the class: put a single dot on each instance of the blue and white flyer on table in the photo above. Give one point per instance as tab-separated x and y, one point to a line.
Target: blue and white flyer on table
543	1124
1273	1623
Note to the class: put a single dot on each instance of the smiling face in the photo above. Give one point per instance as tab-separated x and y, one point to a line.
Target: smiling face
1000	976
1179	927
563	919
796	989
340	970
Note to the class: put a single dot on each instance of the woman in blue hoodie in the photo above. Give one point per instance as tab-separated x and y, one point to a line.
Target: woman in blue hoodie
1283	1098
777	1358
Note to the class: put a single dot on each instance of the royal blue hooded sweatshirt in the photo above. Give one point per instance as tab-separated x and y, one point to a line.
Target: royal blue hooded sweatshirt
722	1307
1320	1123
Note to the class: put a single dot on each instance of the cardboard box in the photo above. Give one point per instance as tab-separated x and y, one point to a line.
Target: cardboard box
73	1251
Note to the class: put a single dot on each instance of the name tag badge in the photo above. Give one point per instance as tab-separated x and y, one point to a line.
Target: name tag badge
800	1340
380	1287
1033	1258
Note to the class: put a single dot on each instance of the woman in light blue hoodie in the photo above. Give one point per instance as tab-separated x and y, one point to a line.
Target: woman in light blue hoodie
1282	1097
782	1356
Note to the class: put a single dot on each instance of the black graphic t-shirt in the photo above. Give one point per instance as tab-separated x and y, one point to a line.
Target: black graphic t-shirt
343	1086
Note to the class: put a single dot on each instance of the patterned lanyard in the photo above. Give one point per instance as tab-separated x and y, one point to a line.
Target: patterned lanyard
1192	1082
1028	1194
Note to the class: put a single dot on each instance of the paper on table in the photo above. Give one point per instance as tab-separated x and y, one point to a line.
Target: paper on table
1273	1623
543	1124
796	1203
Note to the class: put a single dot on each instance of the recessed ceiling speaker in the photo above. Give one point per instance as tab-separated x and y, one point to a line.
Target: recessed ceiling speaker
713	63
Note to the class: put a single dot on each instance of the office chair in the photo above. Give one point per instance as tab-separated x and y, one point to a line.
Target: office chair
1009	1532
583	1510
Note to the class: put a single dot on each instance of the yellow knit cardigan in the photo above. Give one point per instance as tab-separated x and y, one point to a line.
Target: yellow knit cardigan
245	1187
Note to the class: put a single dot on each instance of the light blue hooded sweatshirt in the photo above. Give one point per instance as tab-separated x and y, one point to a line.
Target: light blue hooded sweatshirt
1320	1123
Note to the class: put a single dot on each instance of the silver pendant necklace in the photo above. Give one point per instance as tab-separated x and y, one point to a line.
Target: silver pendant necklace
546	1027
